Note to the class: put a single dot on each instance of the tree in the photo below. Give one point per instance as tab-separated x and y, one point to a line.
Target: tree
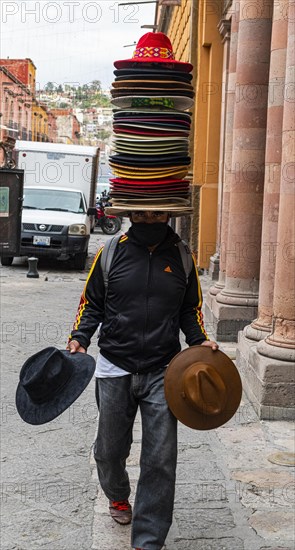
95	85
50	87
103	134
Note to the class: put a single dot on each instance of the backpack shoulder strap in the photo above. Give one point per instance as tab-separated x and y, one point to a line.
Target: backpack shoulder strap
110	247
186	257
107	257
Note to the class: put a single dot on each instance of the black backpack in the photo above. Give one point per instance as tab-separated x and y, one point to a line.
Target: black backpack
110	247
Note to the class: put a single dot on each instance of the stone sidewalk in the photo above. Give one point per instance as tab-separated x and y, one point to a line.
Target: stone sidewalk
229	494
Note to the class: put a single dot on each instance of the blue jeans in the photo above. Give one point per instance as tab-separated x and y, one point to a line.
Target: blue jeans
119	399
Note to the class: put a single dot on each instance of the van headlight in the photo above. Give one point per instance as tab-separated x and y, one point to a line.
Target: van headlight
77	229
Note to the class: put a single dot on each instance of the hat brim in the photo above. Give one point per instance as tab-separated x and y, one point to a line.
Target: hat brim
151	84
135	131
125	209
181	408
146	72
178	101
152	129
138	111
156	162
151	175
129	63
143	194
151	140
150	183
176	206
35	414
153	122
151	152
151	93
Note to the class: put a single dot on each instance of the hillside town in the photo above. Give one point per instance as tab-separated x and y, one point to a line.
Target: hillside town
59	113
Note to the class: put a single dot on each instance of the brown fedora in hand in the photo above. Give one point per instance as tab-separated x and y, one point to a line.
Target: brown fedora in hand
202	387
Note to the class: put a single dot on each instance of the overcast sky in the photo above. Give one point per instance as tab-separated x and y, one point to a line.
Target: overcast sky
73	41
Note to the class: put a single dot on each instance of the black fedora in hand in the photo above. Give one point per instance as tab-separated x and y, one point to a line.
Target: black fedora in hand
50	381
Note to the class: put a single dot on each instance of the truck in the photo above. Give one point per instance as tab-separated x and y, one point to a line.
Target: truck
58	209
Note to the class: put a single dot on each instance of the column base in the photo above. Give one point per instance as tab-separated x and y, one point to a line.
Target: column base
225	321
219	285
254	333
268	382
215	289
214	266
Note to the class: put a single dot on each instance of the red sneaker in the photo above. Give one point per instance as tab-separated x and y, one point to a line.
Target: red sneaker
121	511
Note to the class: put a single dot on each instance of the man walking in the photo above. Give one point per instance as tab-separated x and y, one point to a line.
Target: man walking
148	300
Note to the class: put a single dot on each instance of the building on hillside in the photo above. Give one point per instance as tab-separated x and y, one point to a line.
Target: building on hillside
97	126
15	106
25	117
104	116
98	116
24	70
39	122
68	126
243	164
52	127
79	114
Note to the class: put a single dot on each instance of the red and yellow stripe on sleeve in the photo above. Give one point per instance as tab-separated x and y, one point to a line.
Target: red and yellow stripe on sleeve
83	301
198	308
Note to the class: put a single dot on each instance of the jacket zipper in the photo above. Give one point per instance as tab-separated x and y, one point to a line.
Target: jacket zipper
147	303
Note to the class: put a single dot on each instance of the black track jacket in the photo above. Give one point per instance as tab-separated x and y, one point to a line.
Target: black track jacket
148	301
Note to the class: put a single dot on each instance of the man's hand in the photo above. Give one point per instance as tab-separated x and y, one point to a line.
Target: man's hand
210	344
74	346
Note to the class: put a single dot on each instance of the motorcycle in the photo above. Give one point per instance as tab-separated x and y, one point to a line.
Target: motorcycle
109	224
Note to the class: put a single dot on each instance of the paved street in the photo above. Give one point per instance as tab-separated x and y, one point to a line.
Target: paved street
229	494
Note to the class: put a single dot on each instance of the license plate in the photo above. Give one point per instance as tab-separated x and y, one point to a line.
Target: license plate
41	241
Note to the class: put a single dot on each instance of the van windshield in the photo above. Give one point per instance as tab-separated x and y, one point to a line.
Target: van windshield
54	199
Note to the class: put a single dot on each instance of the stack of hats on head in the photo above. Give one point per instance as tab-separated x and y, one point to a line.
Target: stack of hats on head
151	93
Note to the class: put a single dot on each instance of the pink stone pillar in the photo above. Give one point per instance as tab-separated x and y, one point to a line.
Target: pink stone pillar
224	29
247	177
230	59
273	153
283	336
267	367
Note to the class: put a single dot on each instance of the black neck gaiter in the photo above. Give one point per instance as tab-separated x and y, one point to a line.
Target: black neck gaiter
149	234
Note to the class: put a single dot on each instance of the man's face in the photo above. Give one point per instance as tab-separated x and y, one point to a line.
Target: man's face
149	216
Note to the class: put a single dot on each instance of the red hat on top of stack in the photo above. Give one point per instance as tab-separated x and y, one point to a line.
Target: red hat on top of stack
151	130
153	47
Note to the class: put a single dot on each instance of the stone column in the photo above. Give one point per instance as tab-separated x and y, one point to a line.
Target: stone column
230	59
225	169
224	29
270	374
207	128
237	302
273	153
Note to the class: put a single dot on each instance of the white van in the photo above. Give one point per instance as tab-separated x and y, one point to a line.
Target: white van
59	200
